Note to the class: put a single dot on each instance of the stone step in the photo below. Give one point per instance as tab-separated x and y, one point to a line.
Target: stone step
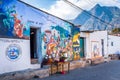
26	74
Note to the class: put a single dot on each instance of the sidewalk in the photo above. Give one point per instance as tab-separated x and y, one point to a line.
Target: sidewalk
40	73
104	71
25	74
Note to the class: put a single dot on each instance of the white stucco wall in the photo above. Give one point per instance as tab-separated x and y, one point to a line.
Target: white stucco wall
23	62
95	36
115	49
98	36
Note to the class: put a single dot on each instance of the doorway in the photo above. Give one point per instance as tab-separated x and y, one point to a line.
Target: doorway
102	43
33	45
82	55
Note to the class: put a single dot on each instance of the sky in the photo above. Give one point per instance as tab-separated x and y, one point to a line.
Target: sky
65	11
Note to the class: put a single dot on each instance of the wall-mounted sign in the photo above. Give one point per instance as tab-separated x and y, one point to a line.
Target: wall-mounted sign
13	52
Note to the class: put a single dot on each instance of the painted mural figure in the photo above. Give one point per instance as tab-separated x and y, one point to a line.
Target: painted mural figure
95	49
45	38
11	26
7	21
18	27
51	45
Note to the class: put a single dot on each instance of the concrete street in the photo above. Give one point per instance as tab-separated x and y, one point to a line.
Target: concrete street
104	71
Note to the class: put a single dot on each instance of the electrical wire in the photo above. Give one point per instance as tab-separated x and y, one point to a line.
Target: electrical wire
85	11
89	2
75	6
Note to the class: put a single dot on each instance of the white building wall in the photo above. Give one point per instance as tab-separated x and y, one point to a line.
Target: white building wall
115	48
23	61
95	36
98	36
88	53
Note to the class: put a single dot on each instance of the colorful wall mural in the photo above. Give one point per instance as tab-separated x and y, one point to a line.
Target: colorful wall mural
57	40
76	42
11	23
17	18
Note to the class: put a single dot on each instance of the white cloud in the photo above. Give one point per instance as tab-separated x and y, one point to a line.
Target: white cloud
84	4
65	11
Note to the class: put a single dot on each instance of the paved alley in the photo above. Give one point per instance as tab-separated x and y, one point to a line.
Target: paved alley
104	71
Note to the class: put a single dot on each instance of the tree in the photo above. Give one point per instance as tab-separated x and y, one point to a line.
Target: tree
116	30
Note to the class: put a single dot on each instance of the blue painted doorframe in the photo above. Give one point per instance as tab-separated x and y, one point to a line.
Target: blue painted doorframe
81	47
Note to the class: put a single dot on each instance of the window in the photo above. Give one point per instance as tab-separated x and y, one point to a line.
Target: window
111	43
